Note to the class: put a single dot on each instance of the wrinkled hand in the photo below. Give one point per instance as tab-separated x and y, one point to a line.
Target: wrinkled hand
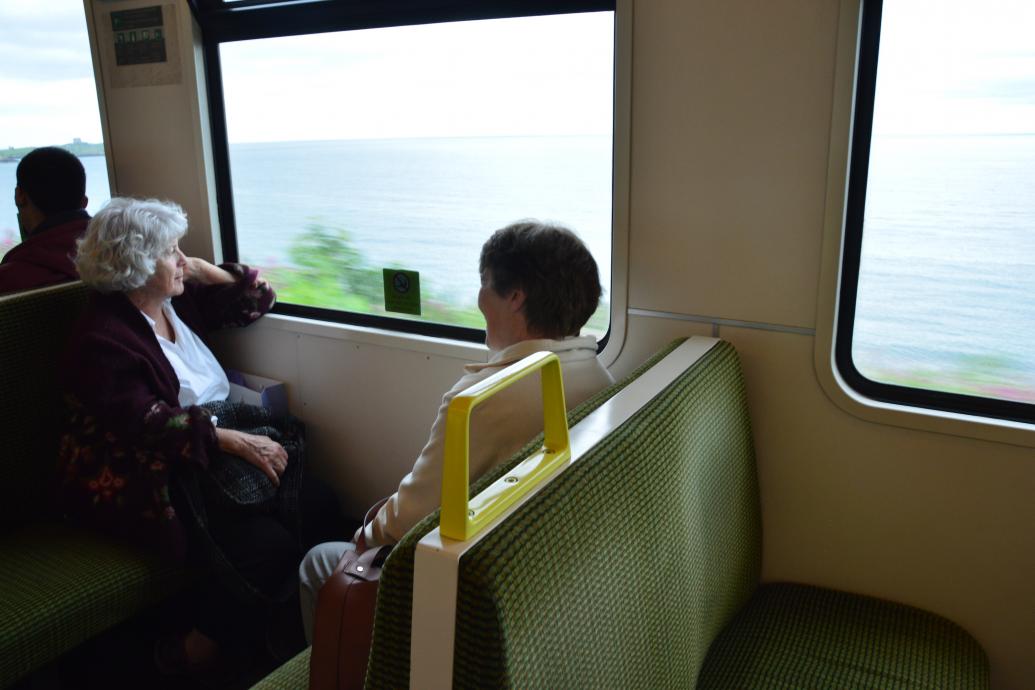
261	451
201	271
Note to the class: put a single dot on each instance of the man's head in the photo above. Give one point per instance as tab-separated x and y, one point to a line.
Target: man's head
542	274
49	180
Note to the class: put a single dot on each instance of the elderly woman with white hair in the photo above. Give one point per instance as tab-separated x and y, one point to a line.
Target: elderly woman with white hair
153	452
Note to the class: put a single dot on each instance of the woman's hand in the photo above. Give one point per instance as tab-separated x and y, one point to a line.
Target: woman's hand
261	451
200	271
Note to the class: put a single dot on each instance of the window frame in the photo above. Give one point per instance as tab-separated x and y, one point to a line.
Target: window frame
223	22
851	255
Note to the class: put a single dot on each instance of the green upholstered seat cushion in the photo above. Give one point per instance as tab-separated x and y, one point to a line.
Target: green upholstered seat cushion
292	675
390	652
60	586
624	568
34	328
797	636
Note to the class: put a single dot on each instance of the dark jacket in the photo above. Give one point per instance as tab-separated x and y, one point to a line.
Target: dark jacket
44	258
125	431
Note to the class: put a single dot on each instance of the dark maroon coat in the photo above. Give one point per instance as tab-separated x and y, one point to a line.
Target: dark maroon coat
126	432
44	258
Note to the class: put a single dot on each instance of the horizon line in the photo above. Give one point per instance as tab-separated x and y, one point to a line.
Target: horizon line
299	141
410	138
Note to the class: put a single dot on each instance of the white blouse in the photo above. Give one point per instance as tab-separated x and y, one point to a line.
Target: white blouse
202	380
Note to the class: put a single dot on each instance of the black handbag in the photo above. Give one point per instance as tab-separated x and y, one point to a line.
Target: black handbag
235	483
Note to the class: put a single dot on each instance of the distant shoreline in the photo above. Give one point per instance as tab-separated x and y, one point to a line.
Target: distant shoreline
79	148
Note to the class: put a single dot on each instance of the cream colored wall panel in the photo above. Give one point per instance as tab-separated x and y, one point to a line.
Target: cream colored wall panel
269	352
648	335
928	519
368	410
151	120
731	117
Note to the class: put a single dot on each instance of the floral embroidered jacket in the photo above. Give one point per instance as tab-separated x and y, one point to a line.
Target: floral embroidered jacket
125	432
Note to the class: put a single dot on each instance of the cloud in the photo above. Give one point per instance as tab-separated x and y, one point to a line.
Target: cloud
59	15
45	68
540	75
43	40
29	61
956	67
1008	90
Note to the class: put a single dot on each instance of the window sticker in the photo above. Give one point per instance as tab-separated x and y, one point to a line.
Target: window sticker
402	291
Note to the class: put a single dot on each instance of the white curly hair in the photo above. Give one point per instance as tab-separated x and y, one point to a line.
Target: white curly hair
124	241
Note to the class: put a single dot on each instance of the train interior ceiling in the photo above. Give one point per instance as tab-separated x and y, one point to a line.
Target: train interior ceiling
732	134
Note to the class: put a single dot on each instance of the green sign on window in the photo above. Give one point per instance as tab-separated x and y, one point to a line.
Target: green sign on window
402	291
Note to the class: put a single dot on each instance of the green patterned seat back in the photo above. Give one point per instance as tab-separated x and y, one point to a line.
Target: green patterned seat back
389	665
292	675
390	653
60	586
34	328
797	636
622	570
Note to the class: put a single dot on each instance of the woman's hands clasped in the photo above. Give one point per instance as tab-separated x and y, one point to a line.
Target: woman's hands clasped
261	451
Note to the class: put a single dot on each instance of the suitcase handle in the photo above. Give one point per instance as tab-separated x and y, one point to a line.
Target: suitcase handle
463	517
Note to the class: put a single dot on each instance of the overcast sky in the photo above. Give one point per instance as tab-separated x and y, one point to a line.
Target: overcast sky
504	77
947	66
46	74
956	66
436	80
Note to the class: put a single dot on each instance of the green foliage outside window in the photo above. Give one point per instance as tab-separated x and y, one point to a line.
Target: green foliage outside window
329	271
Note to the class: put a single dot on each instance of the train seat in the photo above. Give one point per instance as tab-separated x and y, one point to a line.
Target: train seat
59	585
791	635
390	653
291	675
638	565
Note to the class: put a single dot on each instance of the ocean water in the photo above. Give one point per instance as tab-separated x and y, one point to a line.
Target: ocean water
96	189
947	286
421	204
947	280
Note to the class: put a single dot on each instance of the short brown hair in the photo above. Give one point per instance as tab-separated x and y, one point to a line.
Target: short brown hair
554	269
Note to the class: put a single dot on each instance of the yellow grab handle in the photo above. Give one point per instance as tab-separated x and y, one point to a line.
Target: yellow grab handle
463	518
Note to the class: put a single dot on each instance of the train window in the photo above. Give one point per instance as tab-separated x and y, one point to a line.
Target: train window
402	143
50	99
938	275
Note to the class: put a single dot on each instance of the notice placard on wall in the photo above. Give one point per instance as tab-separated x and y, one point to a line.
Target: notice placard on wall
139	36
140	46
